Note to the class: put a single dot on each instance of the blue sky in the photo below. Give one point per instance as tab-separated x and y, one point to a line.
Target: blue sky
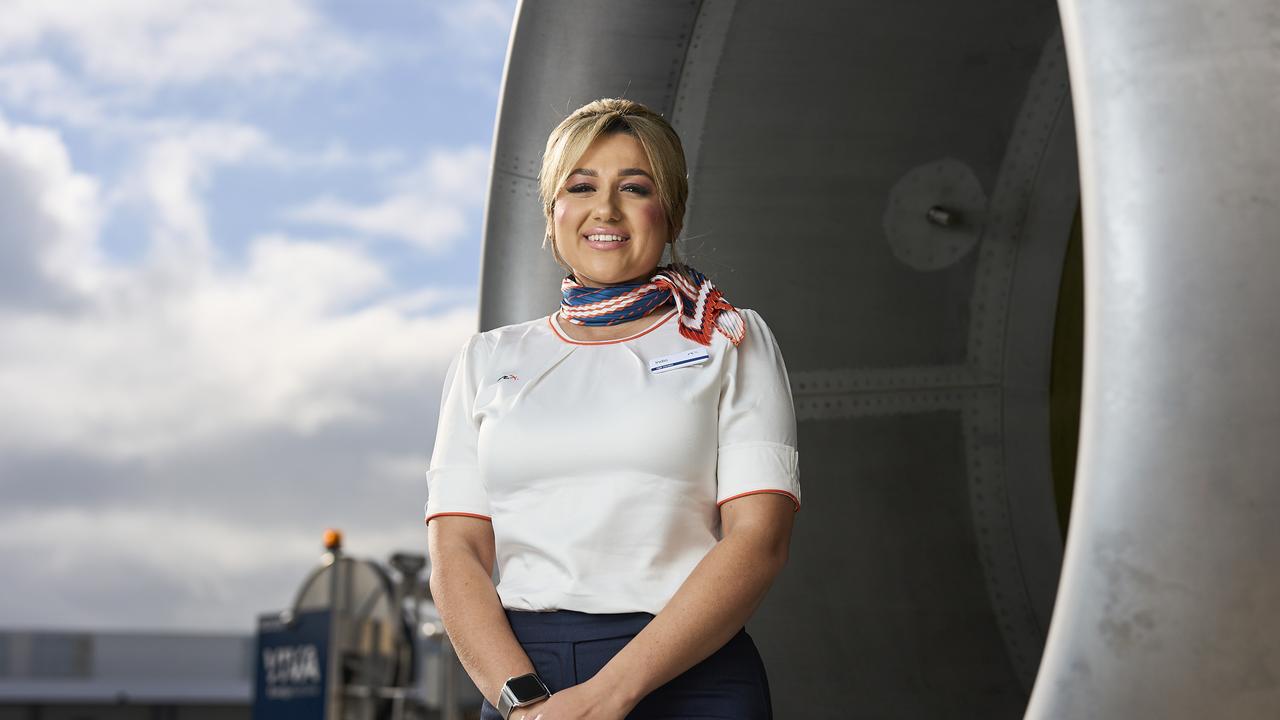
239	244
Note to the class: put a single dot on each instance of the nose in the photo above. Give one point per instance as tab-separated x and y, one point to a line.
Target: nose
606	207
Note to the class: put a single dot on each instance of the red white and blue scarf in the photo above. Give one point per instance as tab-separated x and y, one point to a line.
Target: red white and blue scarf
702	307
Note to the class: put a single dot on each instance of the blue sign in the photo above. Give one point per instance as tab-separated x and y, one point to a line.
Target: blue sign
292	667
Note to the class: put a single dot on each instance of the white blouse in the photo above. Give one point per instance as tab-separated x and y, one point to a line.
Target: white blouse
602	465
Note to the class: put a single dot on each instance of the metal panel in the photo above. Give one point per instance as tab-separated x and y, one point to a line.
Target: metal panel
926	558
814	117
1169	595
883	611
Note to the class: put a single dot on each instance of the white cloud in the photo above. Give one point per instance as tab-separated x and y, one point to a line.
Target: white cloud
476	32
74	536
473	26
426	207
177	162
42	88
148	568
478	16
399	468
175	171
141	42
51	217
304	335
285	344
177	427
334	155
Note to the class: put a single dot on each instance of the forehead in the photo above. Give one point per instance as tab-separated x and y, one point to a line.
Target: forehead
613	151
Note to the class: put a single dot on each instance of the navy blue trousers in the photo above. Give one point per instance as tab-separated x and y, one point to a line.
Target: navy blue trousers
569	647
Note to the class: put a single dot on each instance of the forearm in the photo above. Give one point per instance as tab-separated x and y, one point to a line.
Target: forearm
473	616
713	603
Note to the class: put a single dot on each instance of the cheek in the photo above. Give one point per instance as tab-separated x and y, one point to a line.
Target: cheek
654	215
562	220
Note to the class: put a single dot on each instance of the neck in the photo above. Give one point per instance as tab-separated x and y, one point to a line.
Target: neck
637	280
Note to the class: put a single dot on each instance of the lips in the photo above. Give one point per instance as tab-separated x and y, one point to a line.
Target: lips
603	233
601	238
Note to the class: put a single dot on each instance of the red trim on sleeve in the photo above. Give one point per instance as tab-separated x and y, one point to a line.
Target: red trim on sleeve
794	499
458	514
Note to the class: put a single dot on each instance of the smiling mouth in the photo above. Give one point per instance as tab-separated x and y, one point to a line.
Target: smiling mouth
607	238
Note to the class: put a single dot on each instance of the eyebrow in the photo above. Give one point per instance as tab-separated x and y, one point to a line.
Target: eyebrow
625	172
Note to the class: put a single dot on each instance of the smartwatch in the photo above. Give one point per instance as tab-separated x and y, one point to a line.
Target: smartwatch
520	691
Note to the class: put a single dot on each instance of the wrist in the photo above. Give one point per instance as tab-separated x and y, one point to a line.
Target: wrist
520	692
616	689
528	711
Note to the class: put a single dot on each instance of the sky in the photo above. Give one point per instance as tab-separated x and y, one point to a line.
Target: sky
239	245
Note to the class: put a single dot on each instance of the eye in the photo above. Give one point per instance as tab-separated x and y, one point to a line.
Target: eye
637	189
580	188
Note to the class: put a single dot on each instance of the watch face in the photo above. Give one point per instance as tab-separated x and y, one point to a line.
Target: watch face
526	687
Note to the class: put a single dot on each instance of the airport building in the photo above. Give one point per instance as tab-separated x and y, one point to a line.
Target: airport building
84	675
380	654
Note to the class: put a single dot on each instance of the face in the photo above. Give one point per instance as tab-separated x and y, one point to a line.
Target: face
610	226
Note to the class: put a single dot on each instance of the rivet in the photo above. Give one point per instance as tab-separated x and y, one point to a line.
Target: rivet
942	217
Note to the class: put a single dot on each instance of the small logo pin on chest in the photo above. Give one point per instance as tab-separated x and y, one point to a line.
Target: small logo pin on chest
508	376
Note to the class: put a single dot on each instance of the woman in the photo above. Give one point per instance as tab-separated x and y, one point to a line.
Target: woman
628	463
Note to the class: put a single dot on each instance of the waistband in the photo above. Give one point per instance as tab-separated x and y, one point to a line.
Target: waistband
574	626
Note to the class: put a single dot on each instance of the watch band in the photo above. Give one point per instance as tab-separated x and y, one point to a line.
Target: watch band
509	699
504	704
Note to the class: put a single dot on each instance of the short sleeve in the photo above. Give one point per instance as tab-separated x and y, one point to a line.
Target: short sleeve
757	443
454	486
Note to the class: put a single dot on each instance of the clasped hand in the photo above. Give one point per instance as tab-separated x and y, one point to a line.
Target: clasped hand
580	702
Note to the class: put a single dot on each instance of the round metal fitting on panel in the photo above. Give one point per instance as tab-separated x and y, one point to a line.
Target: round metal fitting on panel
935	215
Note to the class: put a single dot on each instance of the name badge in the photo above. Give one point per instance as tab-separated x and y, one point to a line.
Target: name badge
687	358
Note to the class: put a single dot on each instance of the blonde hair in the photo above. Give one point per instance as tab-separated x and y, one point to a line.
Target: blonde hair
574	135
